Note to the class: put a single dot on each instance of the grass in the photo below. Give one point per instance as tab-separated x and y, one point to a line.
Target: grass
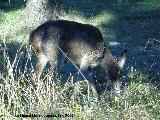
11	26
140	99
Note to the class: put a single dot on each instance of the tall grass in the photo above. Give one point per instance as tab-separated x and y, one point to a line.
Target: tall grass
140	100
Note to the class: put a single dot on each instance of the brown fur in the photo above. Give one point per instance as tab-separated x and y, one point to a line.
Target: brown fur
82	43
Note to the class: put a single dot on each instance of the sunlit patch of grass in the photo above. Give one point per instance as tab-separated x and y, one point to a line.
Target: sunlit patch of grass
151	4
102	18
140	100
11	26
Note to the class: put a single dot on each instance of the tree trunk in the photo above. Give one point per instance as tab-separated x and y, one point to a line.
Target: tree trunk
39	11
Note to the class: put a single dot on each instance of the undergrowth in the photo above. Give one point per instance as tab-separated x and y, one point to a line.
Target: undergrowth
140	100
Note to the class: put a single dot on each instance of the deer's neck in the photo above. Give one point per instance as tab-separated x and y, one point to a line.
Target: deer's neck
108	60
110	65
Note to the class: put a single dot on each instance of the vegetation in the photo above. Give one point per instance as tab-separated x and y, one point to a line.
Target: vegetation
133	23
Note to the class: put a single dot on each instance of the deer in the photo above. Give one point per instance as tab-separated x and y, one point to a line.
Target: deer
56	41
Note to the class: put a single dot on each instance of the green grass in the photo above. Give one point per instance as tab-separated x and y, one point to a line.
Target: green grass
12	24
139	101
151	4
12	28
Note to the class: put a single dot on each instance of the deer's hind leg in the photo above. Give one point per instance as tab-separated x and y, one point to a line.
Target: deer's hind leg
56	61
41	63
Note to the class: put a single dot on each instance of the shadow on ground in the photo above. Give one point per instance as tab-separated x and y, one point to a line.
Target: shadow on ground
136	28
12	5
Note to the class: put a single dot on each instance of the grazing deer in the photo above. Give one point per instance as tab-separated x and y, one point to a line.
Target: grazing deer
82	43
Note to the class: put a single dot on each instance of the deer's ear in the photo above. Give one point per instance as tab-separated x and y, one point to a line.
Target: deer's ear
122	59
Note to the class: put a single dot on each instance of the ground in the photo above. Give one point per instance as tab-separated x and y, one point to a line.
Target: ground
135	26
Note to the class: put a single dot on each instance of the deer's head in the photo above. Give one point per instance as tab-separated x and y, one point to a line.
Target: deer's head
114	67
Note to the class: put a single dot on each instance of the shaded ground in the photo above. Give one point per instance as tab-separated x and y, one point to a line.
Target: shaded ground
140	35
136	28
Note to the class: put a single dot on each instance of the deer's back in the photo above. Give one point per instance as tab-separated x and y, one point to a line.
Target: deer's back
73	38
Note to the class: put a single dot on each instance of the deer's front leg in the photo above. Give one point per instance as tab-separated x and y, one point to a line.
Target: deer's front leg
85	73
115	89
